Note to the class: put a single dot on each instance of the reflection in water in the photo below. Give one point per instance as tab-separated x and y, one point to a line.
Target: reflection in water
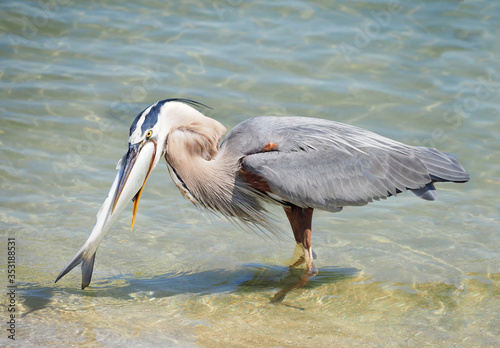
357	311
248	278
218	307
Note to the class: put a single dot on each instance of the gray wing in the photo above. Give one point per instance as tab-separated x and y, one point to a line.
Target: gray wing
327	165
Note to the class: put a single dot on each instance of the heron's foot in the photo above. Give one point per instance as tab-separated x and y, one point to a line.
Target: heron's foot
309	256
306	257
313	270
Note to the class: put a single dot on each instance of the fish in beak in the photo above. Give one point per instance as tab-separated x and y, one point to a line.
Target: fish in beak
134	169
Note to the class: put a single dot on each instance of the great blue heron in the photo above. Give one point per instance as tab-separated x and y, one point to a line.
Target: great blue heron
299	163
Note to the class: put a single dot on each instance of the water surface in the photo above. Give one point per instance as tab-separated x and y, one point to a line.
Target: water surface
402	272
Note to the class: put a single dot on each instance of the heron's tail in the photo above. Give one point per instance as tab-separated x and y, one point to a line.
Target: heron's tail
87	260
442	167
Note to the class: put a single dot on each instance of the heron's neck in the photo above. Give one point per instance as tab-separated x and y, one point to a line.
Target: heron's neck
217	185
209	183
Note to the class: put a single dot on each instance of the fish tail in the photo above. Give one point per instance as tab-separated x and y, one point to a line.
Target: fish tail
87	261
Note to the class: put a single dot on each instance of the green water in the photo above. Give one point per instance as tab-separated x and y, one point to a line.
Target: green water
402	272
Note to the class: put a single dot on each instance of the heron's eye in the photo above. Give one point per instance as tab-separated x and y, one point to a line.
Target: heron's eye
149	134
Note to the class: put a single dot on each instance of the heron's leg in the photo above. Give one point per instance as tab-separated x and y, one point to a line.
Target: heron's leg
301	221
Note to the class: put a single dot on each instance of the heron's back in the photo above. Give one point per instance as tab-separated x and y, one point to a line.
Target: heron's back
327	165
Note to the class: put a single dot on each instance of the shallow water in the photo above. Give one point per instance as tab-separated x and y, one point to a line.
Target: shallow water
402	272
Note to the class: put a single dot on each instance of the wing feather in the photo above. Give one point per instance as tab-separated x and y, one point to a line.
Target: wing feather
327	165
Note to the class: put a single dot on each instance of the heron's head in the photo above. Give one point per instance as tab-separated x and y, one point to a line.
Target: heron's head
170	125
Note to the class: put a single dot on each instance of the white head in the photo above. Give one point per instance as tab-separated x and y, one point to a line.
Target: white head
167	126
